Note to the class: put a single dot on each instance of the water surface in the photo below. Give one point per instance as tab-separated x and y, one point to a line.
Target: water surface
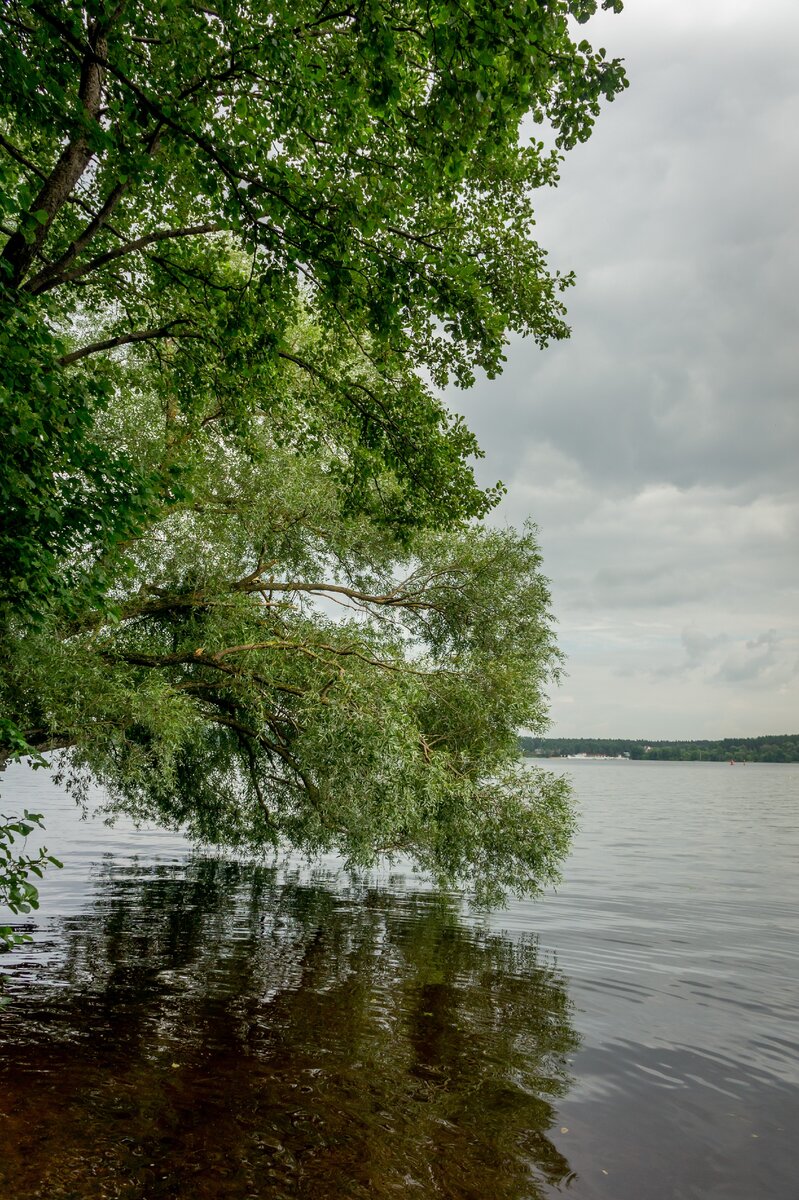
189	1026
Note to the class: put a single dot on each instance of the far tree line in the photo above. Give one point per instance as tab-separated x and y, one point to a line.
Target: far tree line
775	748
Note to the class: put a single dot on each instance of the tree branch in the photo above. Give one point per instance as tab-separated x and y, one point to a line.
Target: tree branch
124	339
203	660
43	281
276	748
394	599
233	173
31	166
401	668
55	269
20	157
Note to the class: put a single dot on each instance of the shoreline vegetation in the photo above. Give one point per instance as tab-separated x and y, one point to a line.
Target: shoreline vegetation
770	748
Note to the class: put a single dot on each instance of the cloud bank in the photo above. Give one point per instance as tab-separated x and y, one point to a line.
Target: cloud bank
657	449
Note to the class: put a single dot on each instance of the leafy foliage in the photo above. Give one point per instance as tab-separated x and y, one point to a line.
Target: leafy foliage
280	670
17	893
359	162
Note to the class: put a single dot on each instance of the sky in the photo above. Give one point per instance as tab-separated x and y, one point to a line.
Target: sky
658	448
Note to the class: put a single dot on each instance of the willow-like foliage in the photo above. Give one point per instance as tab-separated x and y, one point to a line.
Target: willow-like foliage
278	671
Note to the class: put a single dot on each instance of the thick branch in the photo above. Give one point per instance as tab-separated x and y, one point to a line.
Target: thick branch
230	170
19	252
31	166
394	599
317	649
254	584
51	276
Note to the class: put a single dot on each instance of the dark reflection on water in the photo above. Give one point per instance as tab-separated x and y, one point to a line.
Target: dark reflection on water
213	1030
334	1042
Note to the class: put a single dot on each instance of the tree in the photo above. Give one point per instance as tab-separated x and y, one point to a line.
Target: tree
17	893
245	246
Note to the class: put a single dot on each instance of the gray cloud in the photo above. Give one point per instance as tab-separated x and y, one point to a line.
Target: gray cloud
657	449
757	660
699	645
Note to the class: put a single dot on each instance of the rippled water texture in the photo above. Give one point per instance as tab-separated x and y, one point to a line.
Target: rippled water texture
185	1026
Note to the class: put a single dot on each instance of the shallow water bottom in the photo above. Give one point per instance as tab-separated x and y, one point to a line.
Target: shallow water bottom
220	1033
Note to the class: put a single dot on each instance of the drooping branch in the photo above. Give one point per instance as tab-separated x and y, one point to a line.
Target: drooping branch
272	746
253	766
379	412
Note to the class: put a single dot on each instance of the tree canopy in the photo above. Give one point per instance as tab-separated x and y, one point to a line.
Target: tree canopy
244	247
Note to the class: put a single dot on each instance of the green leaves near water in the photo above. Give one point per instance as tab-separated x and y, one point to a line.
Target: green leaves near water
17	893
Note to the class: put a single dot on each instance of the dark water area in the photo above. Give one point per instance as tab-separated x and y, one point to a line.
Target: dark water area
186	1026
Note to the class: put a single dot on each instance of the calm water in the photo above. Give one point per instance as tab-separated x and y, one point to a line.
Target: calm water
185	1026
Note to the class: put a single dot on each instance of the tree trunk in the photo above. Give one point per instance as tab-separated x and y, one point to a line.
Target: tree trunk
23	245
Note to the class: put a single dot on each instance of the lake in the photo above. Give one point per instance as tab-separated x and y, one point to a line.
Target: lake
184	1025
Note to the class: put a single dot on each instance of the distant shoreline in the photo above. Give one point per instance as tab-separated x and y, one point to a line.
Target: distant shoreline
768	748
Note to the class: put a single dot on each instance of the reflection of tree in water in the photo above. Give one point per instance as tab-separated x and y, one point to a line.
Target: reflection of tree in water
220	1033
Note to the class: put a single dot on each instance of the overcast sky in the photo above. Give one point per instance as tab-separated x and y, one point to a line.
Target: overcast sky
658	449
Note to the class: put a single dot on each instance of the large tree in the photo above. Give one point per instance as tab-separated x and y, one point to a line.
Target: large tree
245	246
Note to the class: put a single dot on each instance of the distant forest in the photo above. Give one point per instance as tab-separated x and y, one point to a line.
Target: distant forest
772	748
